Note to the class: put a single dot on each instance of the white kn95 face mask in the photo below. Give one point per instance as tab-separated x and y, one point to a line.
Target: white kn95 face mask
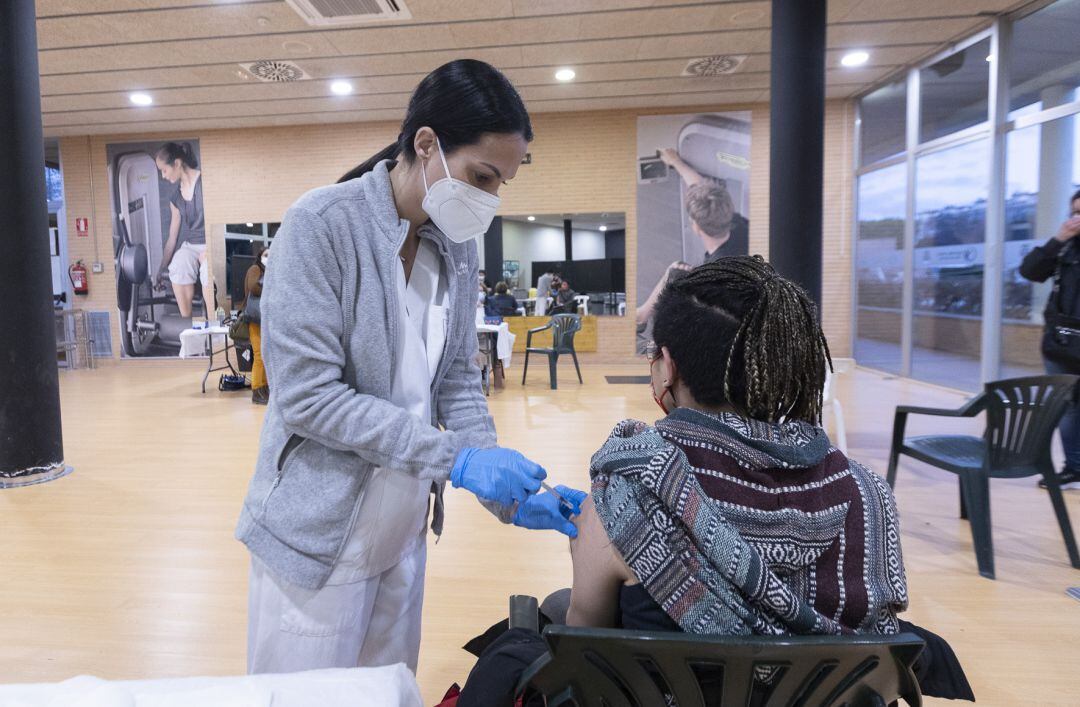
459	209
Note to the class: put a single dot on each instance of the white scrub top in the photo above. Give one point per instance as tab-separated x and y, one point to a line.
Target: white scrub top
392	519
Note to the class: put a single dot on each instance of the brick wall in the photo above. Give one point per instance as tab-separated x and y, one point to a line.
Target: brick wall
582	162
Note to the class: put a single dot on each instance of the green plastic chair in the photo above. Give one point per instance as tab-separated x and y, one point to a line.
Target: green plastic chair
563	327
591	667
1021	416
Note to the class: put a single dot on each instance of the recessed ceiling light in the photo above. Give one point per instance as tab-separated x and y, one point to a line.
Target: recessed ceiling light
251	225
855	59
531	218
141	99
341	88
603	228
565	75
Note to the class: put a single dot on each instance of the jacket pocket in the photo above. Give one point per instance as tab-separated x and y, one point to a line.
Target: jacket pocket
290	446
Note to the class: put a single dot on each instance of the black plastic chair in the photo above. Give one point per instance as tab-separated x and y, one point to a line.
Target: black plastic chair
563	327
1021	415
618	668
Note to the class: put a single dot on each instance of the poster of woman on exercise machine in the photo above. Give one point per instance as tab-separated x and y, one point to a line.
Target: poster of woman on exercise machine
159	239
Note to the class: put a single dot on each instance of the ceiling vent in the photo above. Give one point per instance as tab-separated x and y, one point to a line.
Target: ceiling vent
334	13
718	65
275	71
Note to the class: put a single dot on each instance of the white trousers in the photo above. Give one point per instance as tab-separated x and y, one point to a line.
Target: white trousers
370	622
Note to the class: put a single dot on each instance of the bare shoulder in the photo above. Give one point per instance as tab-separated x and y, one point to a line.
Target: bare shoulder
599	572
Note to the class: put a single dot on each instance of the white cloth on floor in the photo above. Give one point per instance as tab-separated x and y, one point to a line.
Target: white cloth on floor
356	687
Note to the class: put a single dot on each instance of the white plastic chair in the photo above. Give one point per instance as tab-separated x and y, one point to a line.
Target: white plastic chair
583	302
830	405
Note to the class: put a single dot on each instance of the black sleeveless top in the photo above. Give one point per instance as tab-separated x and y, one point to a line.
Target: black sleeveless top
638	611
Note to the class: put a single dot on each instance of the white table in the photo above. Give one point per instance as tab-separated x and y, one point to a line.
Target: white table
197	343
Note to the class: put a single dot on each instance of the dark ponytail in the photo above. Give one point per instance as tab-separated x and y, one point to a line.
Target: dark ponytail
460	101
172	151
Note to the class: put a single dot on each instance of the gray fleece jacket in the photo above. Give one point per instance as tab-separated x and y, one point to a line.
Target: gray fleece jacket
329	331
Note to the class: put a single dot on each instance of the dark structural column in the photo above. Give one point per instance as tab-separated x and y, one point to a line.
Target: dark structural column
797	141
568	239
31	447
493	250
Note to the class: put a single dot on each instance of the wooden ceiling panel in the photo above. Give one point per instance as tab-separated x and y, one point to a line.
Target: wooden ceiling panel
182	53
163	25
627	54
899	33
645	87
458	10
51	8
559	7
876	10
140	79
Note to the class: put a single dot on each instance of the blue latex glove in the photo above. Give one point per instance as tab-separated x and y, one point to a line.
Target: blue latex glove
544	511
497	474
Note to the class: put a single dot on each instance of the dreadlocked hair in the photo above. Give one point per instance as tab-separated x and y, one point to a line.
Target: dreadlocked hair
741	335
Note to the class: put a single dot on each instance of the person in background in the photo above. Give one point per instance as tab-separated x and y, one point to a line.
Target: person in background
543	291
184	258
564	300
484	291
502	303
253	289
1059	258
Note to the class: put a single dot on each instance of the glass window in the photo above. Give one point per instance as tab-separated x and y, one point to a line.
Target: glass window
54	184
883	117
1044	69
879	266
954	92
950	230
1042	174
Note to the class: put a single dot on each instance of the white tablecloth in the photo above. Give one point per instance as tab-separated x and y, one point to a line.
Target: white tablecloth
193	341
353	687
504	347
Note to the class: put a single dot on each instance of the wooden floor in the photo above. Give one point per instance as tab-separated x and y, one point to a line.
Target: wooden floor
128	568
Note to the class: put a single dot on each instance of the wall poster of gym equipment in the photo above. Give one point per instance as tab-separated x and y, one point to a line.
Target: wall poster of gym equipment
159	242
693	194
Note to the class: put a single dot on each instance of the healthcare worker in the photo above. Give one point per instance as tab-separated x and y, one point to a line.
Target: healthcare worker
369	319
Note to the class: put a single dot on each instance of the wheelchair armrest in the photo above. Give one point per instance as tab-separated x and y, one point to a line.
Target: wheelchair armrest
969	409
524	612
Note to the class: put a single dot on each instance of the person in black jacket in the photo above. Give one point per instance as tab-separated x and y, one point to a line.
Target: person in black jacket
1059	258
502	303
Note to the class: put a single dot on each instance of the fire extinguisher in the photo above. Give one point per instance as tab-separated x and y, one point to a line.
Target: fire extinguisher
79	281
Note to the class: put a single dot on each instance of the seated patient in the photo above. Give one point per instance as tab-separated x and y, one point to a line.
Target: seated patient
734	514
502	303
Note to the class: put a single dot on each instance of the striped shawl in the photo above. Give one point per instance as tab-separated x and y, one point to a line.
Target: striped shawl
736	526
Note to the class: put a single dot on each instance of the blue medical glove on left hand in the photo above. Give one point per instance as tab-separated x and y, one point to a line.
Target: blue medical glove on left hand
544	511
497	474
